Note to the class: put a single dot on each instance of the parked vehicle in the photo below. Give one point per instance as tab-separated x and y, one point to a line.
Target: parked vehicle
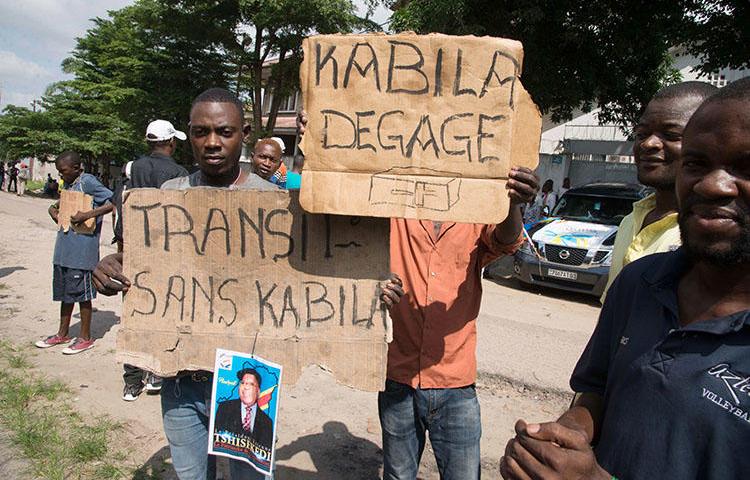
572	248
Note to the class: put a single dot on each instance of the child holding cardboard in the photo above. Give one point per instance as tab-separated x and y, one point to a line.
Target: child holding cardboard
76	255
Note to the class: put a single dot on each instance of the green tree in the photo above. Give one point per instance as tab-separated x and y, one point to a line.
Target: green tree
718	34
19	129
580	54
149	60
267	50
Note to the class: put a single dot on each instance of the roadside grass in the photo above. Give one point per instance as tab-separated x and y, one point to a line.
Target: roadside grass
52	436
32	185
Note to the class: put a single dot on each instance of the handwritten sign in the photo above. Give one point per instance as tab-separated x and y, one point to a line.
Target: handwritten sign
72	202
414	126
251	271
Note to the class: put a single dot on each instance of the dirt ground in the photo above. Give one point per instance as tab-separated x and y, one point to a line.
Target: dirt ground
528	343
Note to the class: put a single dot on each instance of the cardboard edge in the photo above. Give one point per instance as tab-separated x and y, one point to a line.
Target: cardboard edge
524	151
153	364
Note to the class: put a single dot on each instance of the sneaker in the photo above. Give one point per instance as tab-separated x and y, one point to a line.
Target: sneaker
153	383
80	345
52	341
131	392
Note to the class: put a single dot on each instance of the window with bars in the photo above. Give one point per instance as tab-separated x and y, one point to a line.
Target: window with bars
717	79
288	104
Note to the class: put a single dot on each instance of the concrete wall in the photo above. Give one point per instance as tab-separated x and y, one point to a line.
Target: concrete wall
557	167
554	167
583	172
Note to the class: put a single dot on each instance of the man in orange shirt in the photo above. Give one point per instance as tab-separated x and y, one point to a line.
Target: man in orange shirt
432	364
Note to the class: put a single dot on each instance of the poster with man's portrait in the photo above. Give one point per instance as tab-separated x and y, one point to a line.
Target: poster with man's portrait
245	403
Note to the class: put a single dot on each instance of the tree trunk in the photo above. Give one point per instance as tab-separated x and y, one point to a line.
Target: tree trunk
257	68
278	83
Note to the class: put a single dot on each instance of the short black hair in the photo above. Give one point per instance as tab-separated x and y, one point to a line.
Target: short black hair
737	90
701	90
220	95
249	371
69	156
152	144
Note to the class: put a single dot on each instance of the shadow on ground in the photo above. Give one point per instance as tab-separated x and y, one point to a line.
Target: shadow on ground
5	271
101	323
335	452
156	467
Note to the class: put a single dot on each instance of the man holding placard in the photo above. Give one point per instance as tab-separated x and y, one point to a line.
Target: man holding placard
432	358
216	135
439	135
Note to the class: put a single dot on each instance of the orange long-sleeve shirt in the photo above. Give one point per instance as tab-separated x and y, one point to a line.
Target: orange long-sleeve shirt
434	325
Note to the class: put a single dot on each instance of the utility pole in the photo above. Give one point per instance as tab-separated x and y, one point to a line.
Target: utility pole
34	103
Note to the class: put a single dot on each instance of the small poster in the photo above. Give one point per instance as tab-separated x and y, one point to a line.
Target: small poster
245	404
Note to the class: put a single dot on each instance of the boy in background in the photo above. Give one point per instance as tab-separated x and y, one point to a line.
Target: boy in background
76	255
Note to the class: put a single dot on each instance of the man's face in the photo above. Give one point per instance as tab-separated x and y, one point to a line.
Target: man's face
713	184
658	140
266	159
249	389
69	171
216	135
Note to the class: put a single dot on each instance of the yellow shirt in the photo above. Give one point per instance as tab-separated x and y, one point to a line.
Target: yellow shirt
632	242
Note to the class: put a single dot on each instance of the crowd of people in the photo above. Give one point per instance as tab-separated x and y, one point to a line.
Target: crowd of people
662	389
14	175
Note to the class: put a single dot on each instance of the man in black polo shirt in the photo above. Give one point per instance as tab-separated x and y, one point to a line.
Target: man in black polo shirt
157	167
150	170
664	383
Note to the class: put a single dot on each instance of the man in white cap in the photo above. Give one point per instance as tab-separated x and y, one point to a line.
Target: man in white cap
151	171
158	166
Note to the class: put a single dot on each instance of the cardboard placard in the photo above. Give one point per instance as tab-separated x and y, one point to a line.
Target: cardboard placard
251	271
414	126
72	202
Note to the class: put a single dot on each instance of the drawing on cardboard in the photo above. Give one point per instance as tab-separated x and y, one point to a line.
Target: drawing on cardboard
438	193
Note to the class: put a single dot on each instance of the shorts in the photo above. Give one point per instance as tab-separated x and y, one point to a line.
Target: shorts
70	285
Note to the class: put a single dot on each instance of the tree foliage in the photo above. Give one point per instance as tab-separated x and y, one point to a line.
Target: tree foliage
270	32
150	59
580	54
718	33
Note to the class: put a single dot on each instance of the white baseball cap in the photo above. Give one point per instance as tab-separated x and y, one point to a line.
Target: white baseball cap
160	130
280	142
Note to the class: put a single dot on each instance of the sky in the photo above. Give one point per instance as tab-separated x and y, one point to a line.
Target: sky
37	35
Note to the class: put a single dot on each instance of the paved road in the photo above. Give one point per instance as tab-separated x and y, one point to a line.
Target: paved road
533	337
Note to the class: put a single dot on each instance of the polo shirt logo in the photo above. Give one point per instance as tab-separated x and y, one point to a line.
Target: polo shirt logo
734	382
661	362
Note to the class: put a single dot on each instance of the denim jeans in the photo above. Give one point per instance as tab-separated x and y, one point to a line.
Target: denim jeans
452	417
185	407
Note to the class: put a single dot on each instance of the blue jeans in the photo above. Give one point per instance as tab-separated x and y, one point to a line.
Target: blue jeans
185	406
452	417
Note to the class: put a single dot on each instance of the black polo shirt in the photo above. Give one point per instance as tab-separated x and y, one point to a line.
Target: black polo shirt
153	170
676	399
149	171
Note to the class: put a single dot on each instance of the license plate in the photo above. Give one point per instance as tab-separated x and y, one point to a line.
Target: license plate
562	274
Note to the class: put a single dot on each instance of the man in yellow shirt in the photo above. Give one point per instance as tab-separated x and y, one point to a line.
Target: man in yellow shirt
652	226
